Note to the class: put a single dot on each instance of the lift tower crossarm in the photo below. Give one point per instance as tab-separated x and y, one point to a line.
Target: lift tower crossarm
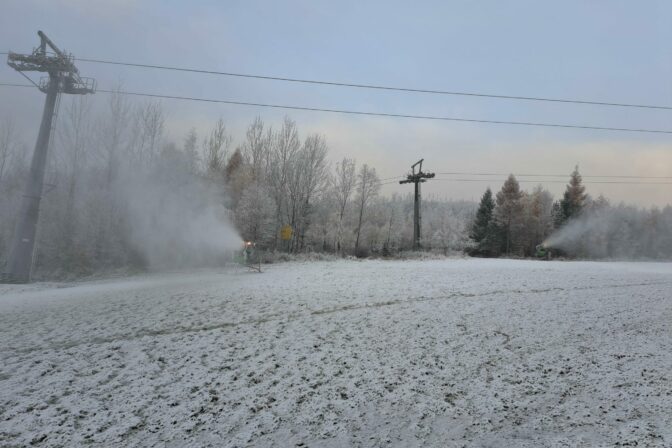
60	66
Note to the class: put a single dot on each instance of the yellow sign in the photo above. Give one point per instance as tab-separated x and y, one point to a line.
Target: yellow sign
286	232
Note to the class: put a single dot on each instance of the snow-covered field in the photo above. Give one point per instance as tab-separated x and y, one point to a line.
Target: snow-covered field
438	353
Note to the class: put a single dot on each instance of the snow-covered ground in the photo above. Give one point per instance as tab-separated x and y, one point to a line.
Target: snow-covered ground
333	354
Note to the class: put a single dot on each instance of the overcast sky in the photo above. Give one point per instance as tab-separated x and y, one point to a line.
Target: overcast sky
602	50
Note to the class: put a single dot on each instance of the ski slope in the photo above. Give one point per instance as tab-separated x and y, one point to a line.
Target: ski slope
438	353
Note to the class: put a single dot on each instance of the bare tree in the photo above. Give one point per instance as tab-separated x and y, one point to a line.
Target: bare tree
312	180
394	211
7	144
189	148
367	188
216	148
114	128
149	123
254	214
344	184
76	139
257	149
284	151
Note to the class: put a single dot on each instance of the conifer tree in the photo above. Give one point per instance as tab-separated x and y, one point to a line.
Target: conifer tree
556	213
574	198
482	226
508	211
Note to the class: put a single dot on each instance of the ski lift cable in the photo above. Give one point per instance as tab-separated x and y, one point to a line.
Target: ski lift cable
555	175
374	86
547	181
387	183
377	86
386	114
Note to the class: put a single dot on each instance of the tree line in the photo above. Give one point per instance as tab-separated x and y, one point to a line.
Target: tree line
120	194
514	222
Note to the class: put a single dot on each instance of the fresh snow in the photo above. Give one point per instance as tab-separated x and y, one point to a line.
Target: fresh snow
436	353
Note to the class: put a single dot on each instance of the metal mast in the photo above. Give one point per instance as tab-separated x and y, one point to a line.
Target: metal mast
63	78
417	179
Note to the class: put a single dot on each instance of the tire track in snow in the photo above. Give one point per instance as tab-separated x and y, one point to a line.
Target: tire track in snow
281	317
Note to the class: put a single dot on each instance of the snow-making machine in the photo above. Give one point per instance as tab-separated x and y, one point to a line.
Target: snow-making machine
543	252
251	258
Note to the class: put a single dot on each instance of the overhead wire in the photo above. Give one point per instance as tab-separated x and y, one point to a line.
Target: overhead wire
11	84
611	176
376	86
440	173
29	79
380	114
546	181
543	181
385	114
387	181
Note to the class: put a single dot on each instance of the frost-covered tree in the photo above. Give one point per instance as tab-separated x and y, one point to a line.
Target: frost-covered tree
664	242
343	186
482	227
71	150
216	148
283	159
321	234
191	151
8	145
508	212
449	230
120	195
254	215
234	164
313	180
257	148
537	219
393	224
574	198
238	177
113	126
368	186
147	132
14	167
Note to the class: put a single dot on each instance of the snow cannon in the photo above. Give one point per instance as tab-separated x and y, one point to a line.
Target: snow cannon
543	251
251	258
248	249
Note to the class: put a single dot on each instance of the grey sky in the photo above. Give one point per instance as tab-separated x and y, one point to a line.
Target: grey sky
605	50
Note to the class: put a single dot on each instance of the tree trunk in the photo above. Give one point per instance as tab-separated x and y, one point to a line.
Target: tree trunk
359	227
